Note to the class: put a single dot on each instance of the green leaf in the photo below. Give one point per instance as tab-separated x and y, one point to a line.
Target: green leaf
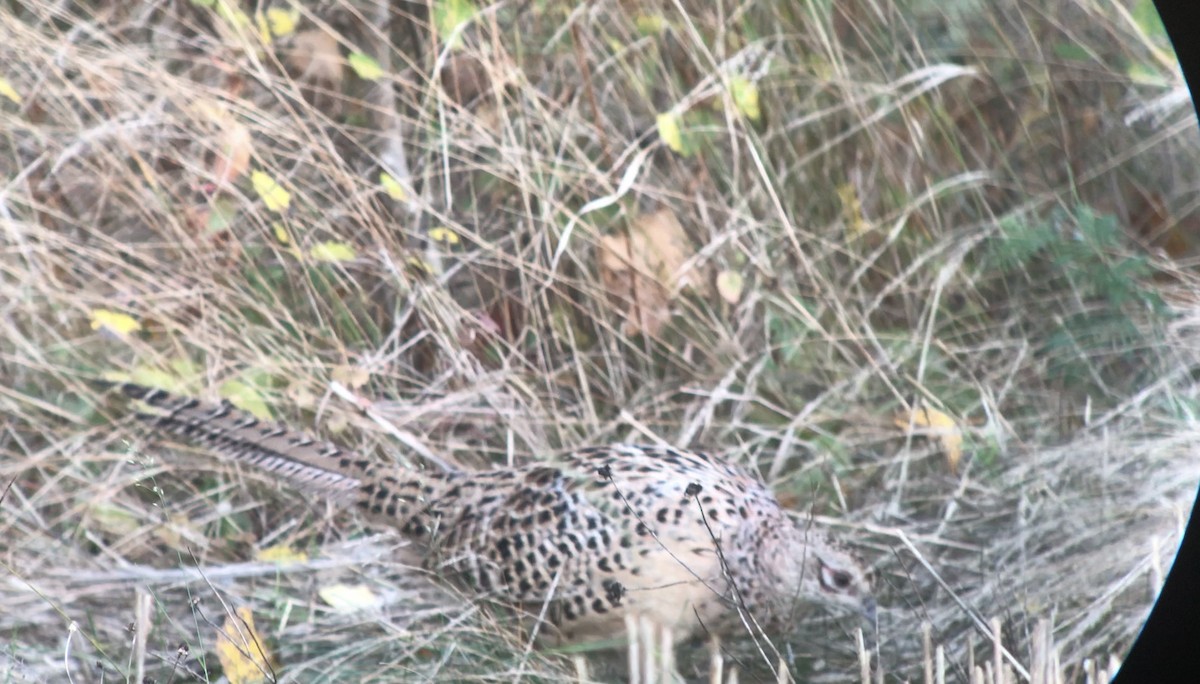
1144	74
447	15
221	214
365	66
113	519
1072	52
184	367
1145	15
155	377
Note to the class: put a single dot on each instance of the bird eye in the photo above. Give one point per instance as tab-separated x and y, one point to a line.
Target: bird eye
841	579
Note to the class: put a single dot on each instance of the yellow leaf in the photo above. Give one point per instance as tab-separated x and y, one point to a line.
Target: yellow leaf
264	29
419	264
392	187
8	91
348	598
282	22
650	24
241	650
246	397
116	323
937	425
228	10
365	66
281	234
852	210
668	130
729	286
281	554
332	252
443	234
116	377
273	195
745	97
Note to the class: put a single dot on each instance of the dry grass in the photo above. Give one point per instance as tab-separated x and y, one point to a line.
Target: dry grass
984	212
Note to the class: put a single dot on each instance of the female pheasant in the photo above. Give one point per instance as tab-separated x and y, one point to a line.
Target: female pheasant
674	536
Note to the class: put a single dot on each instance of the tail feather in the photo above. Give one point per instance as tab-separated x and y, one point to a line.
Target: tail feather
271	447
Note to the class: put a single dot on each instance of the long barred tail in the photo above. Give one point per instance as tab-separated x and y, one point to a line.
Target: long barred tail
272	447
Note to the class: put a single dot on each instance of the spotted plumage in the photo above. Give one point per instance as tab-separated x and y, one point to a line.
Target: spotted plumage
675	536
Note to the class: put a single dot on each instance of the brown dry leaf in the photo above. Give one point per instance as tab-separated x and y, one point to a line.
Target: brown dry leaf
234	149
1152	223
353	377
300	396
465	78
197	218
337	423
647	269
930	422
241	651
618	271
316	58
180	533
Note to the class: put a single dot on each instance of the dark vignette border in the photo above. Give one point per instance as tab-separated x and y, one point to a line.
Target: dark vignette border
1168	648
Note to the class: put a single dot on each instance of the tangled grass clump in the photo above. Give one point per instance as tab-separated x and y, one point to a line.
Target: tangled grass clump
927	268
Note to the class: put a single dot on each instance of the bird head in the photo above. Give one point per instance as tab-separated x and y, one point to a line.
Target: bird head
813	568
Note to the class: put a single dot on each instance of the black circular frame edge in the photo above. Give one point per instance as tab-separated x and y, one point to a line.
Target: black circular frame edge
1168	647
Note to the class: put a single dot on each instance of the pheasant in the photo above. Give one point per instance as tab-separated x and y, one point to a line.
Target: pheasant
675	536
